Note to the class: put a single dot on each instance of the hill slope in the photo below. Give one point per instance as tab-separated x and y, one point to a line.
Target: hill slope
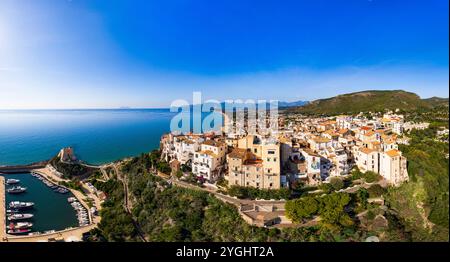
364	101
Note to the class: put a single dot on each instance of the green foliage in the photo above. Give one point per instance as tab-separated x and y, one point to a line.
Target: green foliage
374	101
376	191
326	188
371	177
361	197
222	182
424	199
336	183
72	184
332	212
163	167
299	209
70	170
179	174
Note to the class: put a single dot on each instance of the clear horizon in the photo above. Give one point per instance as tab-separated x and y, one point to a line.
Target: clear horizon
79	54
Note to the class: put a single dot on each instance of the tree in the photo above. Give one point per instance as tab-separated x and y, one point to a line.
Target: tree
179	174
332	210
361	197
336	183
371	177
299	209
376	191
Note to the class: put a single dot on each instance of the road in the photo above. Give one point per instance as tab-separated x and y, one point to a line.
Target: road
226	198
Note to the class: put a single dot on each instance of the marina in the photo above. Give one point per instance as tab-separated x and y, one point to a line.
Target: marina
33	205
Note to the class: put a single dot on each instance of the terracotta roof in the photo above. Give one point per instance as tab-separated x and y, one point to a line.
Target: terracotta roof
343	131
237	153
367	128
208	152
213	143
366	150
393	153
369	133
321	140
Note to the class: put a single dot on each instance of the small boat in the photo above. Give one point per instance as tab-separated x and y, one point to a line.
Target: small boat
71	199
13	217
18	231
11	181
12	211
20	205
20	225
16	190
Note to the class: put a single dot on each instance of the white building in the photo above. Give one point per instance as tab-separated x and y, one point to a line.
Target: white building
393	167
209	161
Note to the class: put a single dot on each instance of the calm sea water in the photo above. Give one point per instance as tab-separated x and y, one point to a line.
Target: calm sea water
51	210
98	136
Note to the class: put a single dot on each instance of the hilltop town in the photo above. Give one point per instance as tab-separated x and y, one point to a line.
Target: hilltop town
307	150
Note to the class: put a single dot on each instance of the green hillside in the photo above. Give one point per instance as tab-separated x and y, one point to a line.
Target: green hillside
436	101
368	101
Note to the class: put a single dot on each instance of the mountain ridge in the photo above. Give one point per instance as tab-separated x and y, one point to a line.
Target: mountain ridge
369	100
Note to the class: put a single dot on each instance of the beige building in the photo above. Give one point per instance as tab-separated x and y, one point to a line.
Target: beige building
367	159
256	163
393	167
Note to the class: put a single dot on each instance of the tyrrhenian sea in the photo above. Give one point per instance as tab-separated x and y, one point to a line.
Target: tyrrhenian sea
98	136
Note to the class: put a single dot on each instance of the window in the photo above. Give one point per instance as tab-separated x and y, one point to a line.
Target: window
271	152
255	150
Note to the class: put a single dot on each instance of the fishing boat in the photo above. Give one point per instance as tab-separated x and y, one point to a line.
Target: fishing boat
13	217
11	181
20	205
16	190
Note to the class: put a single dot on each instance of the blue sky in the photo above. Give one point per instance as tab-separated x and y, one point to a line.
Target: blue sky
107	54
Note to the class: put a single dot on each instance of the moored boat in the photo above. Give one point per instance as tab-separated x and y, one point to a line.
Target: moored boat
20	205
13	217
11	181
19	231
16	190
20	225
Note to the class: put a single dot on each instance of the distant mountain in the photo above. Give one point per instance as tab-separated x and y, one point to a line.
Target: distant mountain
436	101
372	100
292	104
